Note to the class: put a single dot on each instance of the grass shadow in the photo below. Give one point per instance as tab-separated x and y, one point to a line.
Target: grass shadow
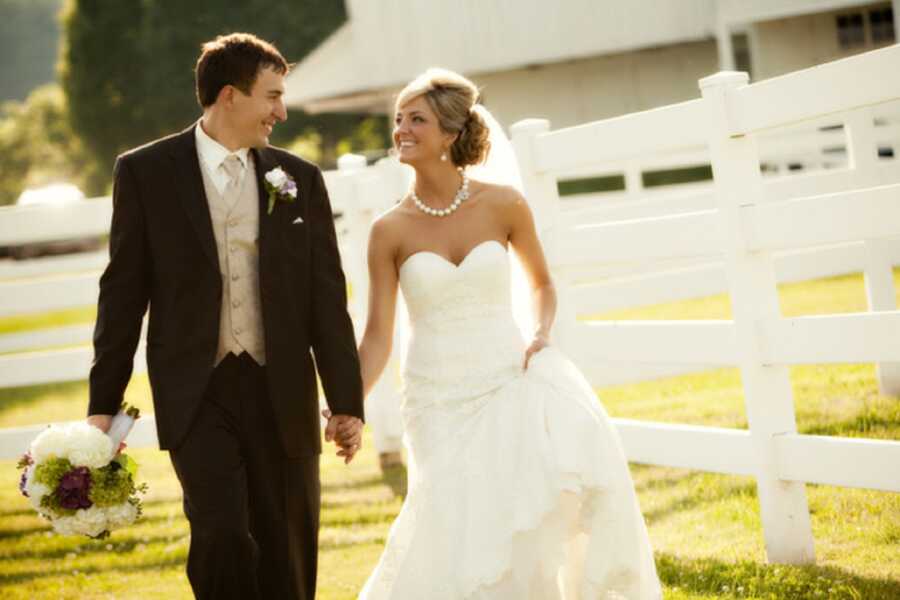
396	478
174	559
98	547
9	534
691	499
879	420
11	398
353	484
757	580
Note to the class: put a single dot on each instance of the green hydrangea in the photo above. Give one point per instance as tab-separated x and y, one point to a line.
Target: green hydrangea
50	472
111	485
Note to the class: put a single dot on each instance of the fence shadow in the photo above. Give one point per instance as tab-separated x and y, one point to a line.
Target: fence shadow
173	559
394	477
12	398
757	580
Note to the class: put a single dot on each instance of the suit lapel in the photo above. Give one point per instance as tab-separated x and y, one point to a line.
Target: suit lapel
264	164
192	192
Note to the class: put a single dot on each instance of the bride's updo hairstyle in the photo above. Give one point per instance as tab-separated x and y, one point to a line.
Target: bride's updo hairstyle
452	97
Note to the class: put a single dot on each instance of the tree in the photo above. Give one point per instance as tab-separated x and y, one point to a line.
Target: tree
37	145
127	65
29	39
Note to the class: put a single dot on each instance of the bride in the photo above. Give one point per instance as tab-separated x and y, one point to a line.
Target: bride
518	486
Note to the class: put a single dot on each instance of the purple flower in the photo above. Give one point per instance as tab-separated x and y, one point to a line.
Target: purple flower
280	186
24	462
73	489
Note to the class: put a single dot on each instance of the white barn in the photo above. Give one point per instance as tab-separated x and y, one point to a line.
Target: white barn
576	61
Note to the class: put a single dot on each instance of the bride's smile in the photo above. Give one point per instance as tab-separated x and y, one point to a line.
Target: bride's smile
418	137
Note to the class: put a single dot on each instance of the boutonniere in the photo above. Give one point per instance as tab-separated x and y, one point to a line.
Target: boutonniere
280	186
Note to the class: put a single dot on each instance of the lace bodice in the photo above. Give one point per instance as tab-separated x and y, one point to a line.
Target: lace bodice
464	340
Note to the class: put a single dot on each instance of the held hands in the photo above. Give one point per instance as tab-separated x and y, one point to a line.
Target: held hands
346	432
540	341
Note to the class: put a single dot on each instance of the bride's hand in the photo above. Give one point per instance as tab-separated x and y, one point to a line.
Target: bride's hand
346	432
539	342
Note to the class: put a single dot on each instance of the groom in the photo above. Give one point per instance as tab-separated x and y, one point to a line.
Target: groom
244	290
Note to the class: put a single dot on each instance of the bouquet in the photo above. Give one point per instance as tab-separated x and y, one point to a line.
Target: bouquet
76	477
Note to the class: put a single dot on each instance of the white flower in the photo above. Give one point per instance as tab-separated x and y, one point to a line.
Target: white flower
84	445
48	444
86	521
35	491
277	177
120	515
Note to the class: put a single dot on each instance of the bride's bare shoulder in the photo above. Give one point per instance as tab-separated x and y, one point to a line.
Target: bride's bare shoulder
388	227
503	198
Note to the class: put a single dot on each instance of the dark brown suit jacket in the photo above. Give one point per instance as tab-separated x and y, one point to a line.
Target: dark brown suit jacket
163	253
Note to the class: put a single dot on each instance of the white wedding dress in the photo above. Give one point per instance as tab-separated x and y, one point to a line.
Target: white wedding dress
518	486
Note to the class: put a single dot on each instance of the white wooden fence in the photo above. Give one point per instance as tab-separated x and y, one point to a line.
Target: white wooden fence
741	234
753	219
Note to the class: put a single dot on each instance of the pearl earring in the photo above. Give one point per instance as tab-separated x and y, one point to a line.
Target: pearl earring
444	156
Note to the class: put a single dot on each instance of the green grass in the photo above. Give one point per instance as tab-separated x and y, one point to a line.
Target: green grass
71	316
705	527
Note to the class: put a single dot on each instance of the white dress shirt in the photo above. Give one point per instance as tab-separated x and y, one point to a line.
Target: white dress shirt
212	156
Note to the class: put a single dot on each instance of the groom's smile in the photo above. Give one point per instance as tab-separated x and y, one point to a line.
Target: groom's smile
255	115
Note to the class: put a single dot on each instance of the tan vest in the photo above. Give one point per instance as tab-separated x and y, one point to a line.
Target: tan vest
236	229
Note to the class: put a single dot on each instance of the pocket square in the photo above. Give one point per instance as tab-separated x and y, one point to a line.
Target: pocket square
297	220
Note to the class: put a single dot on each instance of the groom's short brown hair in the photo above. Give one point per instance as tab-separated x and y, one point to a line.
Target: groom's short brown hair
234	59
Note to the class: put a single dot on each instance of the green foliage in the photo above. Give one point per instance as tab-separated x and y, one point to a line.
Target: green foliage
753	580
676	176
127	66
111	485
615	183
38	146
50	472
369	138
127	463
71	316
591	185
29	39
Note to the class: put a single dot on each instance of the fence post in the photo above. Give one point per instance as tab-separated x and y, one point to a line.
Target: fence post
349	165
363	202
879	276
862	148
754	298
634	180
541	191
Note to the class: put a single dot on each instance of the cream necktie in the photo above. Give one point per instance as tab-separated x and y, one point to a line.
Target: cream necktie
234	168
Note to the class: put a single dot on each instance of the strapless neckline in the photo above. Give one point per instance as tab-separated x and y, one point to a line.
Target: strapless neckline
449	262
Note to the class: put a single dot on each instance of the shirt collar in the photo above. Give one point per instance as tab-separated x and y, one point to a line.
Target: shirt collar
212	153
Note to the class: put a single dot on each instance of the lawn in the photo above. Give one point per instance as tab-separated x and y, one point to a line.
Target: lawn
705	528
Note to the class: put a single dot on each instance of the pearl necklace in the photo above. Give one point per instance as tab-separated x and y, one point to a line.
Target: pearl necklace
462	194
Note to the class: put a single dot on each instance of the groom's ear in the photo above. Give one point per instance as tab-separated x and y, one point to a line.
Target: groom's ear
226	95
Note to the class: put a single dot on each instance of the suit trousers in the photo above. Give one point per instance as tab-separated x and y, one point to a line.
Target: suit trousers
253	512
